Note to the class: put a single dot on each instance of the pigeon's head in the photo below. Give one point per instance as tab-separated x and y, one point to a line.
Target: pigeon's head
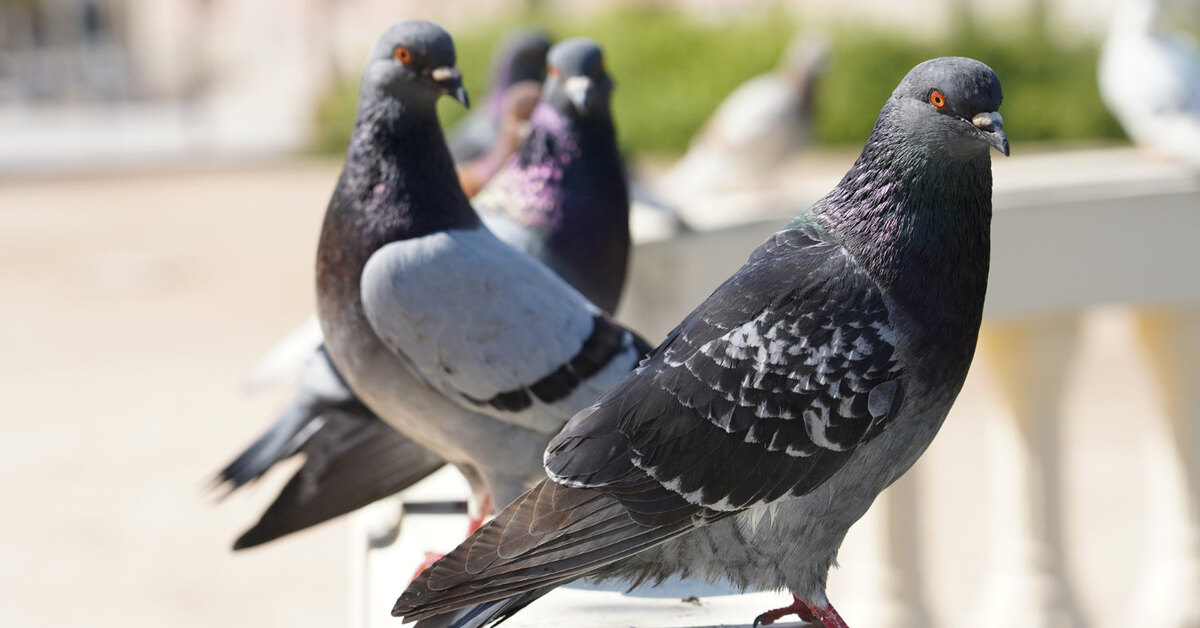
521	57
950	104
576	82
413	62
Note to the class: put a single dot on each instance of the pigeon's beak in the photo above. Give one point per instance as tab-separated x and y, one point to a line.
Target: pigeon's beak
577	89
991	127
450	80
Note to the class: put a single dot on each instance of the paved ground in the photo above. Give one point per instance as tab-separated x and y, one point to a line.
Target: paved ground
134	306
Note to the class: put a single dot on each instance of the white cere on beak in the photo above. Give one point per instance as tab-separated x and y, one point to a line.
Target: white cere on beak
446	74
990	121
576	88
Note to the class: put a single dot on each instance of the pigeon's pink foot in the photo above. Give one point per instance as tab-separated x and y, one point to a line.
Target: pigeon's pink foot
827	617
798	608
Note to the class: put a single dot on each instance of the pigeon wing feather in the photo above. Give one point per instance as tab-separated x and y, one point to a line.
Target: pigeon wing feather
492	328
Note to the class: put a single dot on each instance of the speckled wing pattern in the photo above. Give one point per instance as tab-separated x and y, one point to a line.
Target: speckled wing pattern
765	390
492	328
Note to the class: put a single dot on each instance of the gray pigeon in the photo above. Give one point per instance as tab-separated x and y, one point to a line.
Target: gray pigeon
566	189
766	423
470	348
520	57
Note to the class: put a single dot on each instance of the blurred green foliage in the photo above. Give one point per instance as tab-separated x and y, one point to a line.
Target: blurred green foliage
673	70
1050	90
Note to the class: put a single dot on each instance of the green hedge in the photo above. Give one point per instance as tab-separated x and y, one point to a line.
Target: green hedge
672	71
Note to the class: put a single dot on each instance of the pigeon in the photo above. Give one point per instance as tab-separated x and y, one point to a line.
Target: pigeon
563	197
757	127
470	348
1149	79
520	57
747	443
570	163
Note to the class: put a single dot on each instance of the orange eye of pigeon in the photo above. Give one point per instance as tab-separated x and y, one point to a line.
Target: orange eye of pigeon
553	71
937	99
403	55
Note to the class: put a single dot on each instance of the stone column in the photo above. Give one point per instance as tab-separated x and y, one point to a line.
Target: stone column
1168	594
1023	584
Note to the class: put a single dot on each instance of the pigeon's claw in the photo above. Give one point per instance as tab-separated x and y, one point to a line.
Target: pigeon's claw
799	608
827	616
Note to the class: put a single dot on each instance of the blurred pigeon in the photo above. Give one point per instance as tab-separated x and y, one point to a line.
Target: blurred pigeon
758	126
765	424
563	198
1150	80
519	101
520	57
570	164
470	348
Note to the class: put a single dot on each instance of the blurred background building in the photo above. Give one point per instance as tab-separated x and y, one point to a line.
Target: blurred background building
164	165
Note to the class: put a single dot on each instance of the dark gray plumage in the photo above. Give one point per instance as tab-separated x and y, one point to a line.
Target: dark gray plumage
403	265
807	383
564	192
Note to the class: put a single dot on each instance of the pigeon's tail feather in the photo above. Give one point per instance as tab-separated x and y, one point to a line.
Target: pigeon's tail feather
281	441
547	537
486	614
355	460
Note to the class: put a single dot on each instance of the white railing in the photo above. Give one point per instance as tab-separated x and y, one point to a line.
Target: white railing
1071	232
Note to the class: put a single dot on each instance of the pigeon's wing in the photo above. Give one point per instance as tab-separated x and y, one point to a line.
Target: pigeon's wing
321	389
763	391
351	457
532	243
281	441
352	460
493	329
